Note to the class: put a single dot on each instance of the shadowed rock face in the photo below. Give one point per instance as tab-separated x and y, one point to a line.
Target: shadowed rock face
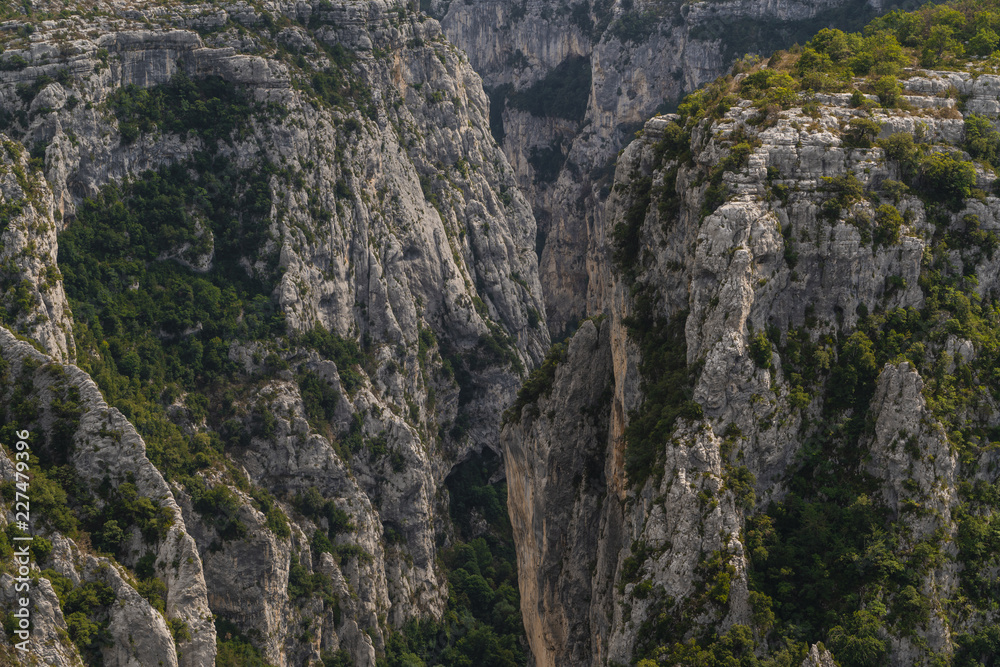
562	126
385	215
615	564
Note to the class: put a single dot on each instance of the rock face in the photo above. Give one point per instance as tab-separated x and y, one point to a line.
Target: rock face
33	292
571	84
76	426
555	474
389	246
766	299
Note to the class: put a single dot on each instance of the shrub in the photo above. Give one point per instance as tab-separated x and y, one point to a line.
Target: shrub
756	85
538	384
312	504
861	132
888	222
984	42
210	107
947	179
859	643
982	140
666	383
901	148
889	92
760	350
627	234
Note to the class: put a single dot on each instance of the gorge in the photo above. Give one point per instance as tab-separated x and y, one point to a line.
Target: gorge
361	333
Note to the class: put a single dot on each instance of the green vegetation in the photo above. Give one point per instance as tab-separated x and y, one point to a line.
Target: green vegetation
538	384
667	385
764	37
234	648
333	85
312	505
829	562
563	93
85	608
149	328
627	234
482	623
342	351
210	108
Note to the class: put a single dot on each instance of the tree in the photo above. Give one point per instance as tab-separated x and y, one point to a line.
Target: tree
947	179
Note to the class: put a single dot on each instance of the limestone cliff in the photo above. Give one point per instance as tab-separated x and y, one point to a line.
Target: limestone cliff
352	299
572	82
757	259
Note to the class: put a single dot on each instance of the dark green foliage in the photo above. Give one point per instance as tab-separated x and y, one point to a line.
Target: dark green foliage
219	507
859	644
803	554
889	92
234	648
538	384
737	159
50	502
344	352
124	508
632	565
844	191
482	623
736	648
303	584
830	562
319	397
211	108
495	348
667	385
334	85
634	27
861	133
982	140
85	611
155	592
115	243
758	84
979	649
277	522
562	93
901	148
760	350
546	162
741	482
855	373
675	144
470	489
740	36
947	179
888	222
627	234
28	91
13	63
339	659
312	504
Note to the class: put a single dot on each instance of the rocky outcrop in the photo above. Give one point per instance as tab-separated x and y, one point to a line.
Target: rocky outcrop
74	426
770	269
555	475
572	84
34	299
386	221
